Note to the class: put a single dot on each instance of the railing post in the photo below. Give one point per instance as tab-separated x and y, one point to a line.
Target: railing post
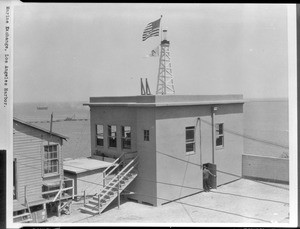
25	194
118	192
99	204
72	189
103	181
84	197
60	193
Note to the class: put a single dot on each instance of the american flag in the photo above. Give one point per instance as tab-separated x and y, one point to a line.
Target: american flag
151	30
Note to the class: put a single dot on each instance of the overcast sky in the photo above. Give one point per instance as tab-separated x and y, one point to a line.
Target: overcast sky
70	52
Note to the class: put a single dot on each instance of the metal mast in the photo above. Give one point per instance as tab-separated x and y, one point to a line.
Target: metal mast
165	85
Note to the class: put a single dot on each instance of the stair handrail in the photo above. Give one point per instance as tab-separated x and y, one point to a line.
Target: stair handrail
119	174
123	155
119	158
112	165
123	169
128	153
111	188
122	176
120	180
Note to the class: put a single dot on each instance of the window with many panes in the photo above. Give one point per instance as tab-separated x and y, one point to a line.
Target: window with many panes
190	139
51	159
219	135
112	136
99	135
126	137
146	135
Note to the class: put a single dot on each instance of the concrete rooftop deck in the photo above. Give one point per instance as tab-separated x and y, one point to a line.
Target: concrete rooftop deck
165	100
243	202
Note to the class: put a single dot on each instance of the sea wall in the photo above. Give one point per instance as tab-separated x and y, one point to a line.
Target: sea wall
265	168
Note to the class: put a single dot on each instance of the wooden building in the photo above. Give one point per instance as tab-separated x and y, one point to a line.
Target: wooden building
39	185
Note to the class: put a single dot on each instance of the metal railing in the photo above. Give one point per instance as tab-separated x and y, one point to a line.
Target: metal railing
120	161
118	178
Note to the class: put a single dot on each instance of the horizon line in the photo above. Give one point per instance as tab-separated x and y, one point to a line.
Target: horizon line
247	99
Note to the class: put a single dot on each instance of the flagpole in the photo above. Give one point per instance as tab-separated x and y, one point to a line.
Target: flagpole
160	28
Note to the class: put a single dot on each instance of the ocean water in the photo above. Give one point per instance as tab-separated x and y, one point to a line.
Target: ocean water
265	126
78	132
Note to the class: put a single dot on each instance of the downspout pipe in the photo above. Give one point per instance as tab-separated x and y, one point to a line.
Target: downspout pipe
213	129
200	144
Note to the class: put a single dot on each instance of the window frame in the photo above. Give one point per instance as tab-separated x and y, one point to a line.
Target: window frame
146	135
124	138
109	136
46	160
190	141
218	135
97	135
15	179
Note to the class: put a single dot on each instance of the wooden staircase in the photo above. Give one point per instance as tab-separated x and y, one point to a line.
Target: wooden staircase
112	190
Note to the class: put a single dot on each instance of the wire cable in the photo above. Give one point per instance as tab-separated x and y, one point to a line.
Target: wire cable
186	167
235	175
261	182
249	137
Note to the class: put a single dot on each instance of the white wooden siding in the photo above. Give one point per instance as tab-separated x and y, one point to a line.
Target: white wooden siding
28	150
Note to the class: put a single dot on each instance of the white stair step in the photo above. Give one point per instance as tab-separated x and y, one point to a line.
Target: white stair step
95	198
107	193
91	206
95	202
102	197
111	186
88	210
115	183
127	175
106	196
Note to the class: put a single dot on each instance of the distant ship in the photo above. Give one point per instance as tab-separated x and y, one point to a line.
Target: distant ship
42	107
70	118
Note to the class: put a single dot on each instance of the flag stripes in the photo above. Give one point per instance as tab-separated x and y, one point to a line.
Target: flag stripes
151	30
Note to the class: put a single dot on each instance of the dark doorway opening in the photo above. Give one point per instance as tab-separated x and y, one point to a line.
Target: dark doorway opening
212	180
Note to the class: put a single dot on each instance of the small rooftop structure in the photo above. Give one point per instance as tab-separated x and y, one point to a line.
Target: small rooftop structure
81	165
86	173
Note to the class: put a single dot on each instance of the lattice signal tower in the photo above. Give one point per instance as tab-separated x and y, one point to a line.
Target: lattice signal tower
165	84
